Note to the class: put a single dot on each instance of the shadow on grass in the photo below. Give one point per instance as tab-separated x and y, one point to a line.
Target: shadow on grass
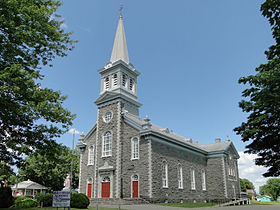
188	205
51	208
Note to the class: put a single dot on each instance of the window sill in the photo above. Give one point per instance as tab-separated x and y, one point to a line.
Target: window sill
106	156
134	159
165	187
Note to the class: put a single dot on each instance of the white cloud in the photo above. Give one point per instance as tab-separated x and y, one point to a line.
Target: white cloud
74	131
248	170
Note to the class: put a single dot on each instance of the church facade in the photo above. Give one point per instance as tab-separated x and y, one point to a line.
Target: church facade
123	156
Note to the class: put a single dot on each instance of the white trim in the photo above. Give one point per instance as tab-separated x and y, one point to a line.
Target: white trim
104	116
193	179
95	194
80	173
131	185
164	171
110	144
150	167
180	176
203	179
89	182
118	154
133	148
90	155
100	179
224	175
115	80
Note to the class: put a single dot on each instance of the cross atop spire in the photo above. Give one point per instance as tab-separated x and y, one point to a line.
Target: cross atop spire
121	8
119	51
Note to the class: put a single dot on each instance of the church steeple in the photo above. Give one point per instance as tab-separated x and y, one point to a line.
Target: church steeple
119	77
119	51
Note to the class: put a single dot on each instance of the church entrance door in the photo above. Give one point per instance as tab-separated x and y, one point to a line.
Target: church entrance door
89	190
135	186
105	191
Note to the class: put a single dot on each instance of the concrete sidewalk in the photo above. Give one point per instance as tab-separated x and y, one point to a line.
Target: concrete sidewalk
159	207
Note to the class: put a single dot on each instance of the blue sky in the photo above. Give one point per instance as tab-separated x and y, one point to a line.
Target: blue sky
190	54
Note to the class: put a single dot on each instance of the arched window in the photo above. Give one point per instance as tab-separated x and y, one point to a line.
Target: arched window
180	176
107	144
124	78
192	179
164	174
135	148
106	83
131	83
115	80
106	179
91	155
203	177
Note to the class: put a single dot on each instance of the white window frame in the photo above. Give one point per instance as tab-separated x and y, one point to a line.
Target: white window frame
91	155
192	179
180	176
203	177
106	83
135	148
115	79
107	152
106	119
131	84
124	80
164	168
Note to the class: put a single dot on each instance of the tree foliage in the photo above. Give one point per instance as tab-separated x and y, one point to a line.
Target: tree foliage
245	184
272	188
5	171
50	166
31	116
263	104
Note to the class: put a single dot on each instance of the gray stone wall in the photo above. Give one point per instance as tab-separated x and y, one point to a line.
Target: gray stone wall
102	127
131	167
232	178
215	179
87	171
174	156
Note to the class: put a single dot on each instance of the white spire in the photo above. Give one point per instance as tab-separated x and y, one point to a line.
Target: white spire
119	51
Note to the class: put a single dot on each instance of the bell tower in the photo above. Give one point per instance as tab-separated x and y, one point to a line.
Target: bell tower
119	77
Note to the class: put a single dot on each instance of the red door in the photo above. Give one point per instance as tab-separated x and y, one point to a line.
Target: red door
105	193
89	190
135	189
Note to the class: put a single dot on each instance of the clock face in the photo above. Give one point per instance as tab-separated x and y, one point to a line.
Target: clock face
108	116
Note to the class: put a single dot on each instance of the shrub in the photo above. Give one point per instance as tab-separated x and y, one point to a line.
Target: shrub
18	199
79	200
6	197
26	203
45	198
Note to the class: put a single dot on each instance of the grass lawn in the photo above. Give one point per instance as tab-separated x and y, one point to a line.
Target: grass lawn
51	208
188	205
265	203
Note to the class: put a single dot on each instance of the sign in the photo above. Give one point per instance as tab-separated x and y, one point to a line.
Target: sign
61	199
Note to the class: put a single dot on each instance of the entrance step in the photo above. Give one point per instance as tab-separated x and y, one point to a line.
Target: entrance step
117	201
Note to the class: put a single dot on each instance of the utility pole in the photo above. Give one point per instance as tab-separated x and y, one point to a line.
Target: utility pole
71	173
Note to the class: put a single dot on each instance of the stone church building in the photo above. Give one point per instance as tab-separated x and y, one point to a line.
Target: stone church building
123	156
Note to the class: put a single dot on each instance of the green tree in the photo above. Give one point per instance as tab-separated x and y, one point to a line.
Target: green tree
6	172
272	188
31	116
50	167
246	184
263	104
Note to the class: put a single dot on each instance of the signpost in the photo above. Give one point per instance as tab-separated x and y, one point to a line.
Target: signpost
61	199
